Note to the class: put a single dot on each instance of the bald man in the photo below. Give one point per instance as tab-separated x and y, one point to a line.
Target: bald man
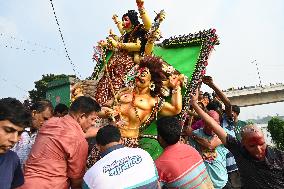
260	166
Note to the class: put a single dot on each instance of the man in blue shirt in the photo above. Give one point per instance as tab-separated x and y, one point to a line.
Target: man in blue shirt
13	119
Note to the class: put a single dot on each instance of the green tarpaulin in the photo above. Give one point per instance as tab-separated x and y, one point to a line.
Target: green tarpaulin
183	60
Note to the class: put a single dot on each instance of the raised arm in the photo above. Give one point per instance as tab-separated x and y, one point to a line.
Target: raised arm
154	33
218	130
173	108
143	14
118	23
210	144
228	106
130	47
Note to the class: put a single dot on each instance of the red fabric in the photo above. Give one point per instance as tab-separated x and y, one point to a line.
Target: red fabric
59	153
175	161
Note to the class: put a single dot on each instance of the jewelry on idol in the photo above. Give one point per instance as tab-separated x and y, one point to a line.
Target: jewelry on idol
152	86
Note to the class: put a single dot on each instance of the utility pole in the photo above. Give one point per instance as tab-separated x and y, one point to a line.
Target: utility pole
257	69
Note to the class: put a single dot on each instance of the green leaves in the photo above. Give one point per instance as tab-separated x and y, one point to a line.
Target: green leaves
41	86
276	129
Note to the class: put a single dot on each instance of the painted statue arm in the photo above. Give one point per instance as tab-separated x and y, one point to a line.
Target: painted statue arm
130	47
105	112
143	14
154	33
228	106
218	130
151	42
118	24
173	108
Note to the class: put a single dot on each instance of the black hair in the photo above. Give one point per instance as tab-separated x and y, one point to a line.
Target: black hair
137	32
108	134
84	104
133	17
14	111
155	65
169	129
206	94
236	109
60	109
214	105
41	106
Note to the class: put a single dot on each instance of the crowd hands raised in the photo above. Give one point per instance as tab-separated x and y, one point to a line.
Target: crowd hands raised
52	153
65	148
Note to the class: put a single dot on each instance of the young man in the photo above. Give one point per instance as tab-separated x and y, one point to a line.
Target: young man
120	167
58	157
180	165
238	124
226	121
13	119
260	165
212	151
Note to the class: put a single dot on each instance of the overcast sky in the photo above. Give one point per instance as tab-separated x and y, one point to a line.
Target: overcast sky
30	43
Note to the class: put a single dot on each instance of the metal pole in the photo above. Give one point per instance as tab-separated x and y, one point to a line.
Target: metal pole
254	61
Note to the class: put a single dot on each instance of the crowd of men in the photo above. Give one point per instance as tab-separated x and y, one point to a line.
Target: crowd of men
46	147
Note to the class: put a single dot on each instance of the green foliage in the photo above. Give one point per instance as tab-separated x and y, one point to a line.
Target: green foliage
41	86
276	129
250	122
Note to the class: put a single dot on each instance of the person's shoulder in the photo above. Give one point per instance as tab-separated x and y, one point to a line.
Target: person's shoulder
276	153
136	151
232	142
242	123
11	156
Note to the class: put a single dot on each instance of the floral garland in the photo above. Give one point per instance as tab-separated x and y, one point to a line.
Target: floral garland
99	56
207	39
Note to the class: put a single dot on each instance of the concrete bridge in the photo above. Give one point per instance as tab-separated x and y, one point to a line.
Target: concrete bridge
256	95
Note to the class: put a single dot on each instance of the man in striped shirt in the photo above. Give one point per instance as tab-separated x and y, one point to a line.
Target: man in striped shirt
180	165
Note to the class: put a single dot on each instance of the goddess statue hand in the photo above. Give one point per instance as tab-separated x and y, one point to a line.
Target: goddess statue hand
174	81
112	43
140	3
102	43
115	18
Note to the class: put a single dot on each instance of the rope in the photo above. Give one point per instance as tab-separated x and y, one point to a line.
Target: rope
63	41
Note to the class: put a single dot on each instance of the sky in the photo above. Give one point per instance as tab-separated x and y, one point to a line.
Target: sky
30	43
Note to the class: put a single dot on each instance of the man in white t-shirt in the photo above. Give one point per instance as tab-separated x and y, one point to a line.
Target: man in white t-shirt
120	167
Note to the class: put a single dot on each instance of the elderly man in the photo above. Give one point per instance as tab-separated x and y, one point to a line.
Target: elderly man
260	166
58	157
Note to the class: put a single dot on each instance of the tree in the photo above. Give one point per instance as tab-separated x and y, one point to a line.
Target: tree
276	129
41	86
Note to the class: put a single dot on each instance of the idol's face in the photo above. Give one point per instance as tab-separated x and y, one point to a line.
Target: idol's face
126	23
143	78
